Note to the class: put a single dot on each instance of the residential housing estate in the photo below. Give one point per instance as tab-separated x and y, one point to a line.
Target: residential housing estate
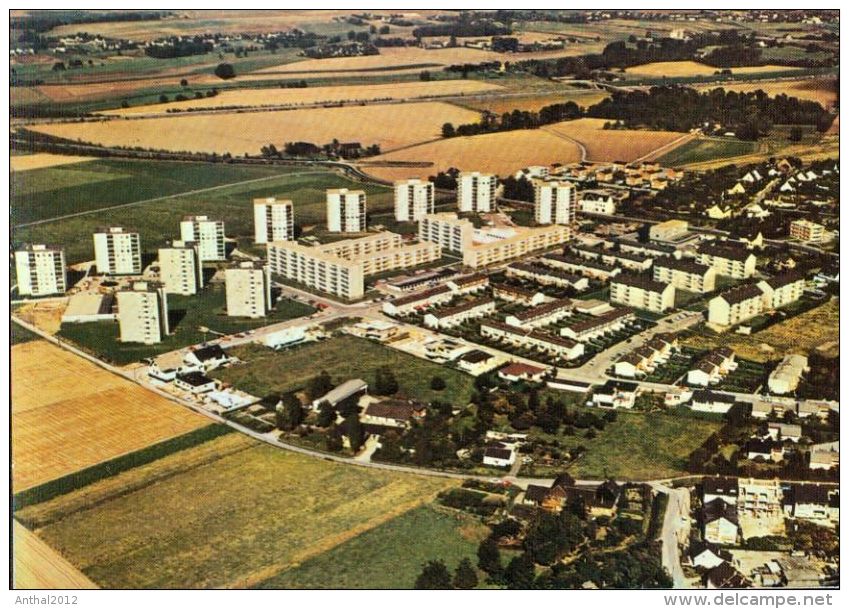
180	268
248	290
476	191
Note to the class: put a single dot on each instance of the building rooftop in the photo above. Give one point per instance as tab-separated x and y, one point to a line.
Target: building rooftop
741	293
730	252
685	265
644	282
521	369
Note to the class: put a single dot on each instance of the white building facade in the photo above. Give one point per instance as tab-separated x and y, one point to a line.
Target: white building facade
41	270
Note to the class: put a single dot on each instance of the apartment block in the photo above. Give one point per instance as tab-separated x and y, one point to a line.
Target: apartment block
414	199
208	234
642	292
736	305
805	230
143	313
476	192
41	270
180	268
274	220
446	229
671	230
728	261
248	290
685	274
117	252
782	290
346	210
555	202
340	268
497	245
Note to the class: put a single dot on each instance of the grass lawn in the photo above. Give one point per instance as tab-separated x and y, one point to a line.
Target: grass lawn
187	314
391	555
639	446
19	334
699	150
344	357
159	221
228	520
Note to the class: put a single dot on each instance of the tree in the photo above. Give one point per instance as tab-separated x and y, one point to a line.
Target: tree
448	130
184	82
795	134
354	431
326	414
333	442
289	413
319	385
437	383
489	558
385	382
163	99
225	71
424	76
434	576
520	574
465	577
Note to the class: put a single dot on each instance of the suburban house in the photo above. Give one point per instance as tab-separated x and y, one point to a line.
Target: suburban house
677	396
720	523
712	368
194	382
518	371
816	502
449	317
165	375
705	400
773	405
476	362
500	454
348	389
616	394
765	449
725	576
825	455
208	357
707	555
398	414
784	431
719	487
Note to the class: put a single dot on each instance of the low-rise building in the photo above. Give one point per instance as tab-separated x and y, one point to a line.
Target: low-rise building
347	390
712	401
545	275
610	321
805	230
585	267
720	523
511	293
499	456
541	315
533	339
642	292
712	368
784	431
206	358
720	487
760	498
477	362
669	230
597	202
398	414
194	382
405	305
616	394
468	284
787	375
727	260
763	449
685	274
825	455
518	371
453	316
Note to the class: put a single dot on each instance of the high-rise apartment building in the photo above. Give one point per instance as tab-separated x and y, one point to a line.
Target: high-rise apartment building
248	288
346	210
117	252
207	233
143	313
414	199
274	220
476	192
41	270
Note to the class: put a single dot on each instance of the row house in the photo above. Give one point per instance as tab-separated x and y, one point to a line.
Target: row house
650	249
468	284
787	375
712	401
454	316
712	368
610	321
574	264
646	358
534	339
405	305
541	315
547	276
511	293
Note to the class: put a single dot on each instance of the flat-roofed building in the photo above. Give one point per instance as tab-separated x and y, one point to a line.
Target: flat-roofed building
449	231
727	260
685	274
805	230
787	375
449	317
248	290
554	202
346	210
490	247
41	270
669	230
274	220
340	268
642	292
208	234
476	191
180	268
143	313
736	305
414	199
117	252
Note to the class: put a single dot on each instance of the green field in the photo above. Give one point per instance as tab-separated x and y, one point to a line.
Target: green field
233	518
391	555
343	357
159	221
42	194
19	334
639	446
699	150
187	313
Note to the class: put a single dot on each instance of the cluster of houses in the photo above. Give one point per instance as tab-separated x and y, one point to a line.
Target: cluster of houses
639	175
600	499
645	359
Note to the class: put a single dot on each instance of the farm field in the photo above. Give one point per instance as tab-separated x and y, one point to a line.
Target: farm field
267	372
703	149
50	192
673	69
234	520
821	90
315	95
619	144
533	102
159	221
390	126
639	447
389	555
187	313
60	425
42	160
502	153
38	566
800	334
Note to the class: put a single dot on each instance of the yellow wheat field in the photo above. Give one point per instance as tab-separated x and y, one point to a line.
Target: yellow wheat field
68	414
390	126
673	69
318	95
25	162
820	90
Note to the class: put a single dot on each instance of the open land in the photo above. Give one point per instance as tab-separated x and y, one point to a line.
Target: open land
672	69
61	425
233	521
345	357
28	162
389	555
38	566
390	126
800	334
534	102
704	149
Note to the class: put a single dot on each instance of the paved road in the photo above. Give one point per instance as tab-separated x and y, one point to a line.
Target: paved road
675	532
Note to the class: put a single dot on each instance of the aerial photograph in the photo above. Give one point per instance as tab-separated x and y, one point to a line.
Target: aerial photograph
424	299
